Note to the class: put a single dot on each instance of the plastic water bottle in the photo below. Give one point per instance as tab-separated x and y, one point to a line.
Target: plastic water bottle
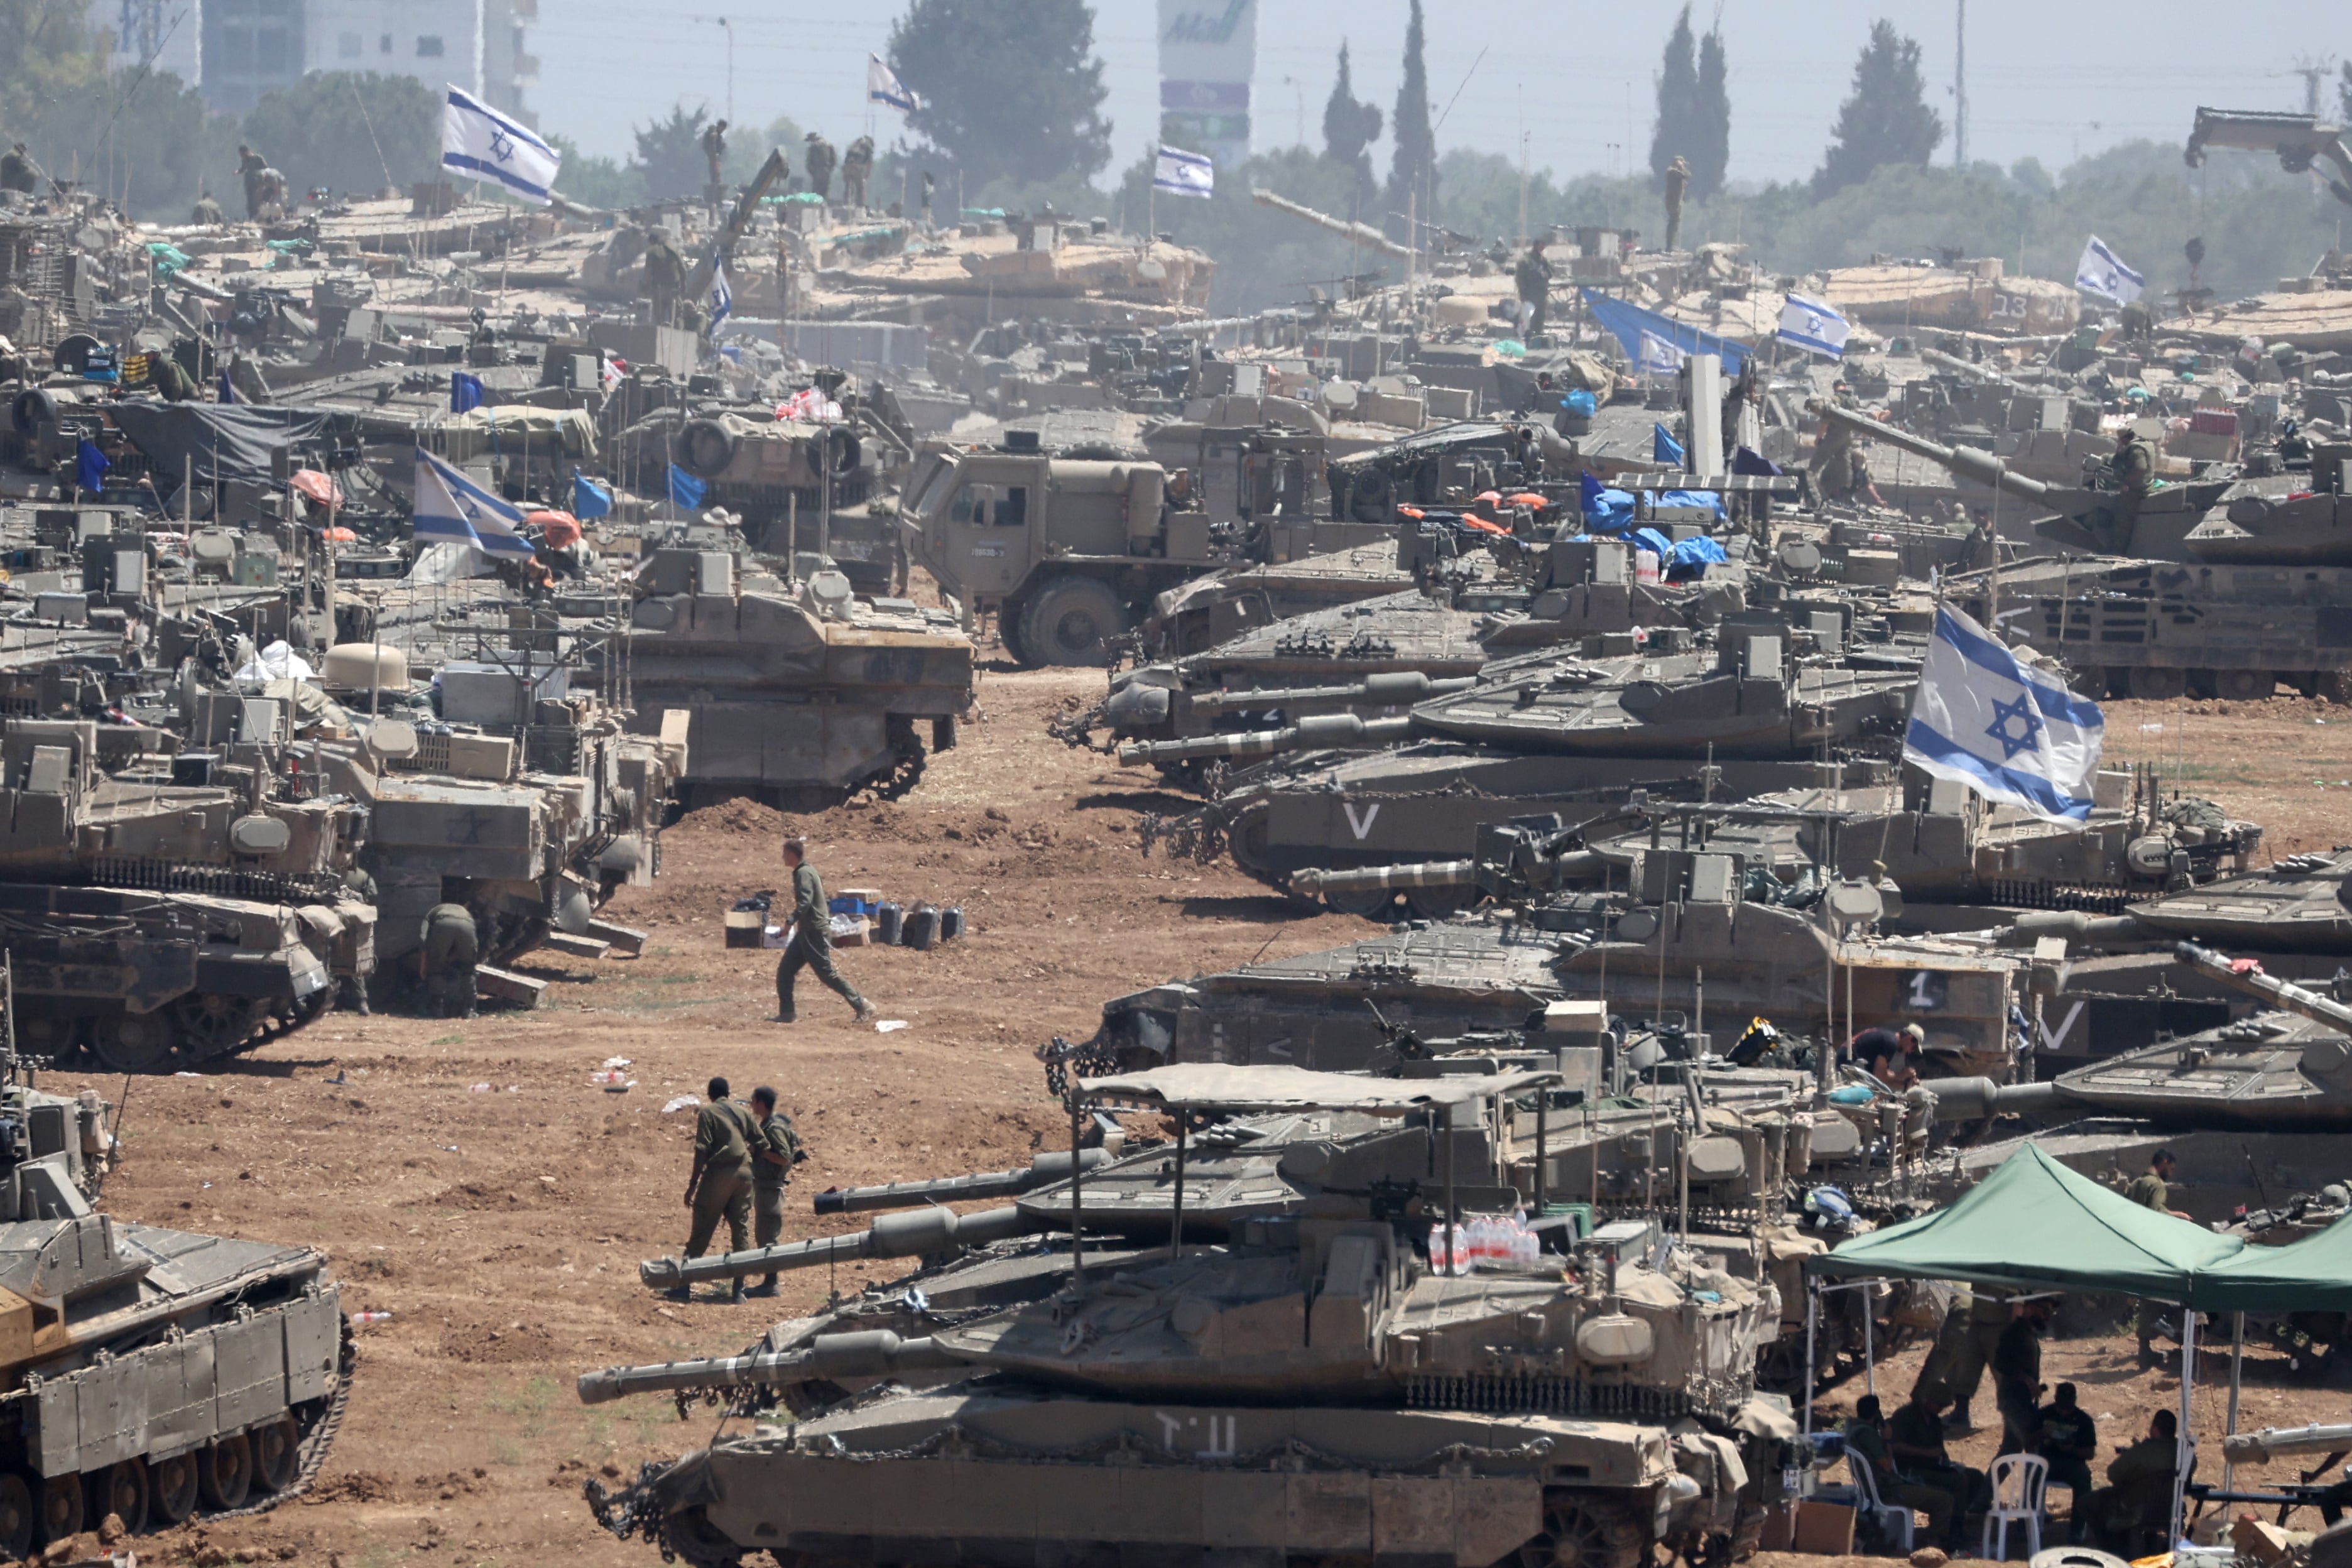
362	1319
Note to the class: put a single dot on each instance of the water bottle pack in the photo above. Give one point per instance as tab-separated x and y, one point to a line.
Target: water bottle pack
1485	1241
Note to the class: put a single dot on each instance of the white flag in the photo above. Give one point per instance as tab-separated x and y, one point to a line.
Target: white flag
1186	173
1660	356
883	86
451	508
2100	272
2009	733
1812	326
477	140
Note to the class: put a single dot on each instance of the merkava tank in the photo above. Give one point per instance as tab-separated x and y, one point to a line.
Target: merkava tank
1219	605
161	1376
801	697
161	925
2224	586
1279	1374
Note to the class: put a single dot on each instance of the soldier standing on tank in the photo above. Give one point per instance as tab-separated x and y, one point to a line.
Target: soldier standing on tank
1677	182
207	212
856	167
2133	469
450	948
250	168
821	160
1532	277
721	1183
811	945
17	171
2152	1189
664	278
714	152
775	1150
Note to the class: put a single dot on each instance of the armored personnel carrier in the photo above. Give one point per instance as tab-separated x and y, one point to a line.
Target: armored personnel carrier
221	1366
1586	1408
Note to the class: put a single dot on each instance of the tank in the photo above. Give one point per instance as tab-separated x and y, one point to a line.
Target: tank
2294	905
1222	604
1302	1383
221	1365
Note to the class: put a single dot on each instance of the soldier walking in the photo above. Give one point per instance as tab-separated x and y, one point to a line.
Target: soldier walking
251	166
812	944
1532	277
1677	182
775	1150
821	160
721	1183
856	167
451	947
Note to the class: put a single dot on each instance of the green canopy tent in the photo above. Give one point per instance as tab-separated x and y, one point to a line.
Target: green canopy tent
2313	1275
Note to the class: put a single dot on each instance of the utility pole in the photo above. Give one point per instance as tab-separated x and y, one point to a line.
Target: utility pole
1523	164
1960	84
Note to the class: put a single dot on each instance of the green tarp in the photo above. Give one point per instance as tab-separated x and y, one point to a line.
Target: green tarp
2313	1275
2035	1225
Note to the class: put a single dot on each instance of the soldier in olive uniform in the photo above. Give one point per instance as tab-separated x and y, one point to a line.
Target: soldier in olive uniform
856	167
251	167
17	171
1532	277
1677	182
208	211
812	944
2152	1189
714	148
1964	1348
721	1183
821	160
451	947
2133	466
775	1150
664	278
356	882
171	382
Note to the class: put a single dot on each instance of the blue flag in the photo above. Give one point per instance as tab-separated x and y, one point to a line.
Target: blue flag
1663	448
1628	324
228	392
465	392
685	490
589	499
90	467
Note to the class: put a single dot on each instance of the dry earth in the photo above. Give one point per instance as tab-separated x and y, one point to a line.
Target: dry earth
469	1178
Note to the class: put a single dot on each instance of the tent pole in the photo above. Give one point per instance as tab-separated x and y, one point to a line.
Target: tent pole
1869	1351
2180	1440
2237	1365
1812	1311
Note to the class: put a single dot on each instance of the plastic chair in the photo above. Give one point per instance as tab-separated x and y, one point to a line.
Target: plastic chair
2018	1481
1893	1520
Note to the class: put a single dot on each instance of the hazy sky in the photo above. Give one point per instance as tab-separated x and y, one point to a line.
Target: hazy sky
2052	79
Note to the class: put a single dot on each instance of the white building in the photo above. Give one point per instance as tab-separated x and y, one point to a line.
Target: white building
236	50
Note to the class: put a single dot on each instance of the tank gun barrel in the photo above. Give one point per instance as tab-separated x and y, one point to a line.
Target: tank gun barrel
2259	1447
2246	975
1363	234
2297	139
877	1353
1961	367
1319	729
892	1236
2074	925
1049	1167
1388	687
1314	883
1965	461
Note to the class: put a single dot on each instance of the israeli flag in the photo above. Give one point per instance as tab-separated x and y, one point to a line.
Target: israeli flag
1812	326
2102	273
1660	356
477	140
1185	174
722	298
883	86
2009	733
453	509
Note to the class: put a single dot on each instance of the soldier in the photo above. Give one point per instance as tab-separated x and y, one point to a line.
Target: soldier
2152	1189
250	168
362	887
821	160
812	944
451	946
930	181
664	278
714	148
2069	1438
1532	277
856	165
2016	1374
2138	326
720	1183
170	379
2131	1511
1914	1439
17	171
208	211
1964	1347
775	1150
1677	181
2133	469
1866	1435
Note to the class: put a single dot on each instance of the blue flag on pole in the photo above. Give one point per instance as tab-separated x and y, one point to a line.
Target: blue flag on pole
589	499
2009	733
465	392
227	391
685	490
1663	448
90	467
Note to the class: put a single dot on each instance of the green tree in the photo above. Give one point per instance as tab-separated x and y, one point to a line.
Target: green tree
1710	155
595	182
2344	93
1885	119
1678	112
1412	167
670	160
1012	89
51	52
1349	127
345	131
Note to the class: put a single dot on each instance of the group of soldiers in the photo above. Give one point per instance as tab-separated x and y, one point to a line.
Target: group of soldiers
1532	274
819	158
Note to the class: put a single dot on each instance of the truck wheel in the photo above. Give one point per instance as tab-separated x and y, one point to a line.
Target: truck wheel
1008	632
1069	622
17	1516
704	447
2157	682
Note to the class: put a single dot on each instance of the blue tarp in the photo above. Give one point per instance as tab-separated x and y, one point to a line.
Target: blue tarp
1626	323
1663	448
1691	557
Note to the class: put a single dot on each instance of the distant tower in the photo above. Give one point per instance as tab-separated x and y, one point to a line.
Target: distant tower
141	31
1960	84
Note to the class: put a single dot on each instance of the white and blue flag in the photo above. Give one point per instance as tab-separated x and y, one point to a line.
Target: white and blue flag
477	140
1660	356
1812	326
453	509
722	298
2008	732
1186	173
2102	272
883	86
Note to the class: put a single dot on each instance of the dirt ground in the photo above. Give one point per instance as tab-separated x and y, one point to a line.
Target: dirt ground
471	1180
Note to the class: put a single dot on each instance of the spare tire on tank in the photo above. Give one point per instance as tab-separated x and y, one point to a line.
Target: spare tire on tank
840	451
704	448
72	356
34	411
1367	497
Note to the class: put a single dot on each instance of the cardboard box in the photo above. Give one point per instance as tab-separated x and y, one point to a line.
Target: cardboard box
1780	1528
1824	1529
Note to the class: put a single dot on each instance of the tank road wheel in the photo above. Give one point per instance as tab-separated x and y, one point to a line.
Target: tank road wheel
61	1507
2244	685
135	1042
1583	1530
1069	621
17	1516
225	1471
172	1488
1373	904
121	1490
212	1024
276	1453
2155	682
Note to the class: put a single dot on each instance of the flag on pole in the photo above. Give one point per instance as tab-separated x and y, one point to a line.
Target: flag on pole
722	298
453	509
2102	273
1663	448
1660	356
465	392
883	86
1812	326
89	466
2011	734
477	140
589	499
611	371
1185	174
685	490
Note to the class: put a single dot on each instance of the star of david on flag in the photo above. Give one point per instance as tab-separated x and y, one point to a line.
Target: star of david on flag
2011	734
479	141
1812	326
